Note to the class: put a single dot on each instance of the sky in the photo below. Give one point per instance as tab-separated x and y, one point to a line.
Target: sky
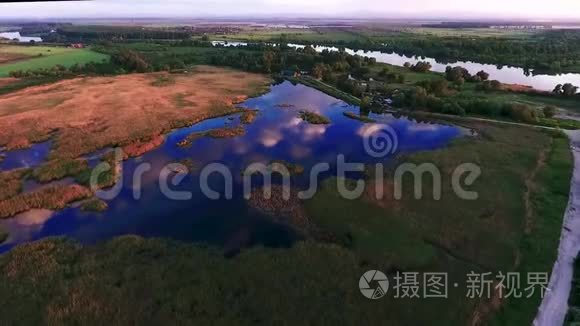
388	9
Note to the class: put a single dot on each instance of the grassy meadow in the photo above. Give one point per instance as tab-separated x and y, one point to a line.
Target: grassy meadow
47	57
275	34
474	32
515	229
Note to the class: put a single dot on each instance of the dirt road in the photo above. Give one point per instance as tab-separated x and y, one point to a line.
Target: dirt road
554	307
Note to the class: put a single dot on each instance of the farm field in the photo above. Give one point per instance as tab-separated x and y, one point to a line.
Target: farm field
27	57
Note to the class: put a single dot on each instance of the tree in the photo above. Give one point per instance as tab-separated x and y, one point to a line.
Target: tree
566	89
421	66
318	70
456	73
399	99
365	103
384	72
130	60
483	75
569	89
177	64
328	76
522	113
454	108
268	59
418	97
362	72
549	111
439	86
309	50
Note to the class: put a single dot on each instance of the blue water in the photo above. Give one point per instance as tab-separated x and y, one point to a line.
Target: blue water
25	158
277	134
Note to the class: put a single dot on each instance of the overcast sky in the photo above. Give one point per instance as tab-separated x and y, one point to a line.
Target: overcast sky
534	9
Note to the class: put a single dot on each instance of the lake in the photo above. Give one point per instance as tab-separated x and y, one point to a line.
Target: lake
277	134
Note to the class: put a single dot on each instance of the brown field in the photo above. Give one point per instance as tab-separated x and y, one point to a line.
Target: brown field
517	88
53	198
87	114
138	148
226	132
11	57
59	169
11	182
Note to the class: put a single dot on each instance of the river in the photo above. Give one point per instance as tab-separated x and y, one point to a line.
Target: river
504	74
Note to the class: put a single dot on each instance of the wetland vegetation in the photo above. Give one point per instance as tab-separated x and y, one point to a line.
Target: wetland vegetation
498	232
178	107
313	118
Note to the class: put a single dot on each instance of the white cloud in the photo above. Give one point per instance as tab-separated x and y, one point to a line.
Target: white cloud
270	137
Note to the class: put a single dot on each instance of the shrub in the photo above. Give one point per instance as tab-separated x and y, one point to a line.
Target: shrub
456	73
483	107
453	108
94	205
314	118
549	111
59	169
521	112
483	75
421	66
3	234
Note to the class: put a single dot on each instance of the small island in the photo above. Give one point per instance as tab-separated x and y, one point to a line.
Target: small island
314	118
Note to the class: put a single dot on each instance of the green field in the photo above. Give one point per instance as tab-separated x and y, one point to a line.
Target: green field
290	34
368	33
34	50
473	32
51	56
